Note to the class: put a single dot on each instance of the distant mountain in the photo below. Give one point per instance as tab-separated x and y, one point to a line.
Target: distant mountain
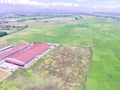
13	8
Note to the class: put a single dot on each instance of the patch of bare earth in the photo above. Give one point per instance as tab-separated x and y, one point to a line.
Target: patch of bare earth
64	69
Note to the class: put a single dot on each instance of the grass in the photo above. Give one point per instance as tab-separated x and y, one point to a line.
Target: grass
102	35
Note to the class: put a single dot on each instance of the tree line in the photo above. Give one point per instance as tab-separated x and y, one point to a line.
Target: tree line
10	27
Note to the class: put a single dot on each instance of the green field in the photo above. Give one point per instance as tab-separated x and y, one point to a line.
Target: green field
103	36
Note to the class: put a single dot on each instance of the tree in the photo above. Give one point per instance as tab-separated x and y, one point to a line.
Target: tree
3	34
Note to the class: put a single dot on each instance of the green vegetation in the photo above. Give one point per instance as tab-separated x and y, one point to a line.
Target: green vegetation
100	34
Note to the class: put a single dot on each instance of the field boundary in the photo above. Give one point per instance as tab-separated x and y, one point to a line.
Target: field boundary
86	84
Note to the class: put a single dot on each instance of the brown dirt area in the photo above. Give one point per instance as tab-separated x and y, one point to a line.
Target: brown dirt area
64	69
3	74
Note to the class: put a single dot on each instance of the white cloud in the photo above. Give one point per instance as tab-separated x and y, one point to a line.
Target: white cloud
112	1
105	6
80	0
112	7
19	2
34	2
95	7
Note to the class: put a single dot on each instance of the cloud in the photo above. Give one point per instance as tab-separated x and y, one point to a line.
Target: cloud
75	3
80	0
19	1
34	2
112	1
105	6
59	4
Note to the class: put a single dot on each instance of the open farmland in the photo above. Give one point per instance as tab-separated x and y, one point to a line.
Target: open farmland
62	69
102	35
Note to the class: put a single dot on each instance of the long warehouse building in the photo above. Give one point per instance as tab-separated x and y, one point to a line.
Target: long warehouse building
11	50
26	55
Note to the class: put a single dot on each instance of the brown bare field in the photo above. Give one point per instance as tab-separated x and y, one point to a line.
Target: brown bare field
3	74
64	69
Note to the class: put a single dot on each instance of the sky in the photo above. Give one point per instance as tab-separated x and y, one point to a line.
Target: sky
113	4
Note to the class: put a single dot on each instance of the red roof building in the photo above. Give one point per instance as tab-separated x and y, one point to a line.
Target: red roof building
24	56
12	50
